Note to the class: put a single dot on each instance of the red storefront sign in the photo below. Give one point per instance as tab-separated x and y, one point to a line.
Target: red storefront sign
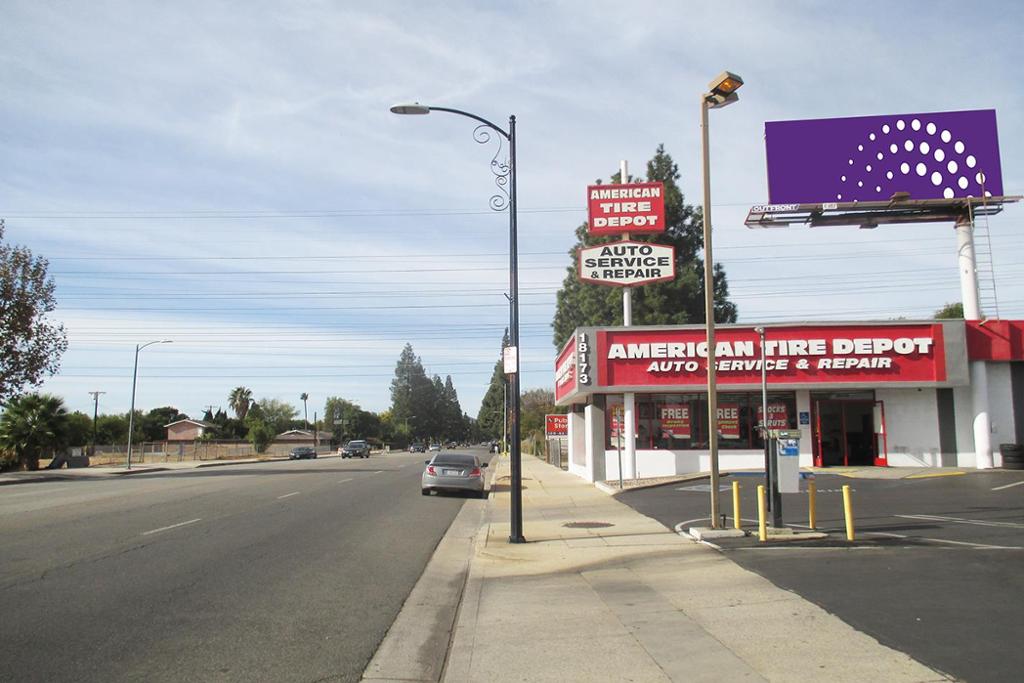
848	354
675	420
777	417
556	425
729	420
565	370
635	208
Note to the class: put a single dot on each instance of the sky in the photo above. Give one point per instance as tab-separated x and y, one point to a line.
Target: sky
228	176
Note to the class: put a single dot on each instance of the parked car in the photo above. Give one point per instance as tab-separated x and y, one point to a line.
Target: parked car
453	472
417	448
355	449
301	453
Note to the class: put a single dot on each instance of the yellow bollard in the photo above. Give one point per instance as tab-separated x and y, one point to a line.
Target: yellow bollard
762	526
736	505
848	511
812	504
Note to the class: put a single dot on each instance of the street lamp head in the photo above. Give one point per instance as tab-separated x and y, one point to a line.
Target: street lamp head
415	108
725	83
722	90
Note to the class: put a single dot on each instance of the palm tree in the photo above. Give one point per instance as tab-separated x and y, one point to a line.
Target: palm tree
305	415
32	426
240	399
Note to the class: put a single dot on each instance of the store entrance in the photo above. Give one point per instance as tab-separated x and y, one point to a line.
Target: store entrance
846	433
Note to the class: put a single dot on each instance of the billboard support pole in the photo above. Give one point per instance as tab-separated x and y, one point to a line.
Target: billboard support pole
971	298
709	315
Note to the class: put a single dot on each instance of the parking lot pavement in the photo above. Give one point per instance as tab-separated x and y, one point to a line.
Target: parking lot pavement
936	570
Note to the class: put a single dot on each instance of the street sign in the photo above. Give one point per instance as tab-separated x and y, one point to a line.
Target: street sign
636	207
556	425
627	263
510	359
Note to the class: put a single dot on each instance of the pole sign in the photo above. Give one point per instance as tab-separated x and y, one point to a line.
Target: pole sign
636	207
556	425
627	263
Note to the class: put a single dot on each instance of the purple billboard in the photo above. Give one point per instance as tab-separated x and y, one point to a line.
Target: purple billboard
869	158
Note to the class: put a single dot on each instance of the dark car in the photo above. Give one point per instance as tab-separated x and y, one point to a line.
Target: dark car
301	453
356	449
417	448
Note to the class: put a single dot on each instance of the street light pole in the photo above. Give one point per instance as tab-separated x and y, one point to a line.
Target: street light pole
505	179
95	417
131	412
722	92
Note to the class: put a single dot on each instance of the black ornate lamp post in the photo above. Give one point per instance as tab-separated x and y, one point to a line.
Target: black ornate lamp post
505	179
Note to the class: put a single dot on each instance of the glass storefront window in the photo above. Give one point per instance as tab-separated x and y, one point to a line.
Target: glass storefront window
679	421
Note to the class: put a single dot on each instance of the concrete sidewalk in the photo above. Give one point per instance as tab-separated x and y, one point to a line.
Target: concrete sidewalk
602	593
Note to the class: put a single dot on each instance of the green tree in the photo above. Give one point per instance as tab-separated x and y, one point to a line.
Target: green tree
239	400
112	429
30	343
277	414
490	421
534	405
33	426
79	429
260	434
950	312
454	424
153	424
664	303
412	395
348	421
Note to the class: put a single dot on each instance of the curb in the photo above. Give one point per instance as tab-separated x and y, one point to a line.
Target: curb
614	490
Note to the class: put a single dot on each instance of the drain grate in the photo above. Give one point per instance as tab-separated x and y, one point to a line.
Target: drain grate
587	525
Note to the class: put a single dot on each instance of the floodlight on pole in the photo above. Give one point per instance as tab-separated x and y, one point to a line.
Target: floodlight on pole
505	179
722	91
131	412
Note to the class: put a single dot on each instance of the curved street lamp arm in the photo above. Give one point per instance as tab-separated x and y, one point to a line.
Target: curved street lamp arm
481	119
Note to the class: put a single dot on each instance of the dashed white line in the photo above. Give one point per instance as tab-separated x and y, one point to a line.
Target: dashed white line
173	526
342	481
959	520
287	495
1007	486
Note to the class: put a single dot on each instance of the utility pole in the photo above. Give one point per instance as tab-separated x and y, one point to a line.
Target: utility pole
95	415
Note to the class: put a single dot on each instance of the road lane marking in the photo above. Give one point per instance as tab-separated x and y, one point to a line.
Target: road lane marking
287	495
931	475
958	520
34	492
344	480
1007	486
173	526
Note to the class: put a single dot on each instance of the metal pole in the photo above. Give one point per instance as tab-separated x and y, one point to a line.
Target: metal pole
764	414
95	418
516	535
709	315
131	413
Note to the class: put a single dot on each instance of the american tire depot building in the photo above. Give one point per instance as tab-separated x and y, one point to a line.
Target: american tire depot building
926	393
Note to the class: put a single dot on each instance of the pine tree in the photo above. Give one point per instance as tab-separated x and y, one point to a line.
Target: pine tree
490	419
664	303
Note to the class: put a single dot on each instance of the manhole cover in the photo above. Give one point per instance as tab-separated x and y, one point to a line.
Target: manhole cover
587	525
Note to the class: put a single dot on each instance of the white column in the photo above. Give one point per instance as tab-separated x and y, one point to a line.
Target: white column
628	414
593	437
982	425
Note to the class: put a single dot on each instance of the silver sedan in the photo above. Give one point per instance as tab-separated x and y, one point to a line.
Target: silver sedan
454	472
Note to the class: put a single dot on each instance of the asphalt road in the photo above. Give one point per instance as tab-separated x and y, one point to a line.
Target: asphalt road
288	571
937	570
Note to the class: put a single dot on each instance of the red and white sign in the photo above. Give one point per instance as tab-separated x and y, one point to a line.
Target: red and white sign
636	207
627	263
777	417
729	420
565	370
556	425
849	354
675	420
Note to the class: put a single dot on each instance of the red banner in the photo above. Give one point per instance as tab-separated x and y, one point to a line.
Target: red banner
729	420
777	417
556	425
675	420
635	208
877	354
